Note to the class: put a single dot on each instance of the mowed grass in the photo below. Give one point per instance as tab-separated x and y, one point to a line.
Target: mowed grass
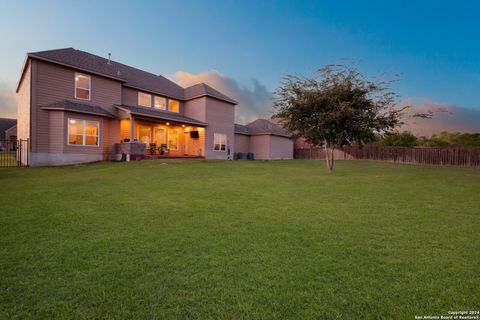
238	240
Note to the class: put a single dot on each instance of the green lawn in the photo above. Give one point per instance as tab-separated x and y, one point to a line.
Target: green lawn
238	240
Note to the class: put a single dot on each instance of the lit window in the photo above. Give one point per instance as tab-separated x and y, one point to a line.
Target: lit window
219	141
144	99
173	106
83	132
173	139
160	103
145	134
82	86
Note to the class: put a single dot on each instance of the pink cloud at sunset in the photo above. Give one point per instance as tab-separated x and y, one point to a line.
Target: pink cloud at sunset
254	99
446	117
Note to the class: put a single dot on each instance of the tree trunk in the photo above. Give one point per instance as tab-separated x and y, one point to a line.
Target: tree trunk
329	156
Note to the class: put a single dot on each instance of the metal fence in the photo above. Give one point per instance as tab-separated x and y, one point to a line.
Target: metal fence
13	153
436	156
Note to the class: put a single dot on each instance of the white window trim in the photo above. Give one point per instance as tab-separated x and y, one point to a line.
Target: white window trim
83	133
89	86
138	99
168	103
221	134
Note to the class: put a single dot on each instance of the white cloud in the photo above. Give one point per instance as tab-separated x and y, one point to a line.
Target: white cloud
8	103
452	118
254	99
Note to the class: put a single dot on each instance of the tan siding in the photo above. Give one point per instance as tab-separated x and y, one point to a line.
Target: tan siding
242	143
280	148
220	118
196	109
33	109
55	83
58	83
130	98
260	146
23	105
56	132
104	147
113	134
196	147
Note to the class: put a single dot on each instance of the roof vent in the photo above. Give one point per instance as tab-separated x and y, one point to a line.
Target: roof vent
109	55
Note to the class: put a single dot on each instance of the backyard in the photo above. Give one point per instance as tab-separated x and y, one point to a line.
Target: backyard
193	239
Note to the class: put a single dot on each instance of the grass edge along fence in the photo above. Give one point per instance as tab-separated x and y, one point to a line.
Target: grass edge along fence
468	157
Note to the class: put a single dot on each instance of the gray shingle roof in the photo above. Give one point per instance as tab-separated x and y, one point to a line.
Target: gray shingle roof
161	115
6	124
241	129
202	89
67	105
130	76
261	126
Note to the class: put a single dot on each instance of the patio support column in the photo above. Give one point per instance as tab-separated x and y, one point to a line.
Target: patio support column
132	127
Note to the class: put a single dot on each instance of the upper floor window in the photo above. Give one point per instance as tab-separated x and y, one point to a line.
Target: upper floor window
160	103
144	99
82	86
83	132
219	141
173	106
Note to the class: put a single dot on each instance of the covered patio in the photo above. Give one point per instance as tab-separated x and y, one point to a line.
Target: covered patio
157	134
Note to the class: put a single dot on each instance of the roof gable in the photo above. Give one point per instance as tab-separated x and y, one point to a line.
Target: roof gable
6	124
202	89
261	126
129	76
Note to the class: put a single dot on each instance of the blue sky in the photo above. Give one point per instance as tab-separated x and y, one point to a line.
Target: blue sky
434	45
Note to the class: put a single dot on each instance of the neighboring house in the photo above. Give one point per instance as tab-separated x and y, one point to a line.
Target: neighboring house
8	132
77	107
265	139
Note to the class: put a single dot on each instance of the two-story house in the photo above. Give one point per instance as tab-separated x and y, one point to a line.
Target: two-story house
77	107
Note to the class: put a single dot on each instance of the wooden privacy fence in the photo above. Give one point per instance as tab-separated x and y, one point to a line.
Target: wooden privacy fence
436	156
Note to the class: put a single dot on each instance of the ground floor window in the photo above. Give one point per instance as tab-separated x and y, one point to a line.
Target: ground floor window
219	141
83	132
145	134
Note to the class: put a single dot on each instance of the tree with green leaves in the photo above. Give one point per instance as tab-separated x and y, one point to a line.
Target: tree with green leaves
337	107
402	139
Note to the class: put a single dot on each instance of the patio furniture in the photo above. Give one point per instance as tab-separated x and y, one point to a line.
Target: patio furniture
163	149
152	148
